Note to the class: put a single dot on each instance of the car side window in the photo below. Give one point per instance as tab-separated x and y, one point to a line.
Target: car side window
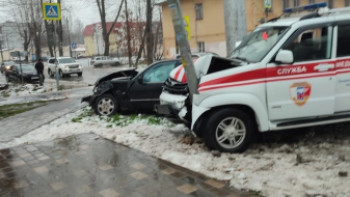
343	48
312	44
52	61
158	73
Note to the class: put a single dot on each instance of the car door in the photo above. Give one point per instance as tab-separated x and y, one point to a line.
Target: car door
342	99
145	91
306	87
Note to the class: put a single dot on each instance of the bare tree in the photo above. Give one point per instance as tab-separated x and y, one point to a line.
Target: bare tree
31	16
106	32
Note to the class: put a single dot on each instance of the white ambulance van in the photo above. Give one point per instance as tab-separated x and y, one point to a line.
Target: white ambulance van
291	72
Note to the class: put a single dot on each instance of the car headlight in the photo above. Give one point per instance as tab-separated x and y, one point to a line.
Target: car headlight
7	67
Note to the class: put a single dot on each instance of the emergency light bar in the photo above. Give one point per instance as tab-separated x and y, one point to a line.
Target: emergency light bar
306	7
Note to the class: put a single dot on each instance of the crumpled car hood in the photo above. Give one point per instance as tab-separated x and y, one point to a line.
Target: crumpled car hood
123	74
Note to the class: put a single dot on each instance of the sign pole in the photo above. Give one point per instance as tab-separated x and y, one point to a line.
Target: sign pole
185	50
52	12
56	61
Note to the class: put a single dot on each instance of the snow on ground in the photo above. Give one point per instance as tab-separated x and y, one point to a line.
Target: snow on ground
315	166
16	90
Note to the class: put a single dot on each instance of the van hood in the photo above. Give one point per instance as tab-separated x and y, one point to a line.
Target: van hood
201	66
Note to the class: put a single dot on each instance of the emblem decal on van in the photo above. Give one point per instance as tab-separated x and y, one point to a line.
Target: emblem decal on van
300	92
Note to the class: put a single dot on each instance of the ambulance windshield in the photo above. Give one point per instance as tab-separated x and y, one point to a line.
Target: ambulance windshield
258	44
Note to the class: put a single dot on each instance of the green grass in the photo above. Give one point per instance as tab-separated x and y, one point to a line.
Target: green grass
5	94
13	109
85	113
118	119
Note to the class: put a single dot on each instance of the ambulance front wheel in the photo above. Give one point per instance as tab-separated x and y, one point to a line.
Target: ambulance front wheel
229	130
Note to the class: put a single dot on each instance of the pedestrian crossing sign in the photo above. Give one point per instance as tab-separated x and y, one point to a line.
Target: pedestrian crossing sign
52	11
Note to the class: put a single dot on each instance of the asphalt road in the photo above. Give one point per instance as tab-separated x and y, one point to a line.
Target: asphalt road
90	73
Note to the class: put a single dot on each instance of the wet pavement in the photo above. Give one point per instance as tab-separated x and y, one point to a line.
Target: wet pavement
87	165
20	124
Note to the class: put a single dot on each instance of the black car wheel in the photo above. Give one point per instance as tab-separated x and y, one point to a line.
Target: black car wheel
106	105
80	74
50	73
7	78
229	130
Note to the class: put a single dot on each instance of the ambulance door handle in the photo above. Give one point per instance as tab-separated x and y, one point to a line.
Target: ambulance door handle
324	67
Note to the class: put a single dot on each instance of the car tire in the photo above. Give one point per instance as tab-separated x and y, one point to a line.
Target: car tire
229	130
106	105
7	79
61	74
80	74
50	73
116	64
98	65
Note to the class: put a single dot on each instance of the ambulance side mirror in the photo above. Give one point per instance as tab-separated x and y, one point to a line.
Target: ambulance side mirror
284	57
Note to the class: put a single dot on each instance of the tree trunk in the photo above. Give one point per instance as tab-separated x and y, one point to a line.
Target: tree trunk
26	44
37	44
128	33
2	56
60	35
49	44
148	32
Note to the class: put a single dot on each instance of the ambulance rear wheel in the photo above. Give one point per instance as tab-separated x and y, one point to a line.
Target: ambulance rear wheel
229	130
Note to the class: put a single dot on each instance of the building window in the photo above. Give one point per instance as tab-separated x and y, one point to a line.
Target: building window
296	3
199	11
201	47
330	3
311	1
285	4
347	3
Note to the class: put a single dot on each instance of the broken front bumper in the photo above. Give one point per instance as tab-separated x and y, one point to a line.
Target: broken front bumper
89	99
172	105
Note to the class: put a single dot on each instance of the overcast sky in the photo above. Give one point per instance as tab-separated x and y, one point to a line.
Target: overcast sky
84	10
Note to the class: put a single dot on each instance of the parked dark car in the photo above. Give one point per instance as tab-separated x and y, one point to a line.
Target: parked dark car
6	65
128	90
28	73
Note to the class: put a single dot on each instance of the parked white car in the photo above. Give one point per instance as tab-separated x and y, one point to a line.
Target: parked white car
65	66
100	61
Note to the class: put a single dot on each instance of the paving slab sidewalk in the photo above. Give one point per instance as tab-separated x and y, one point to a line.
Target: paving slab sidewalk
87	165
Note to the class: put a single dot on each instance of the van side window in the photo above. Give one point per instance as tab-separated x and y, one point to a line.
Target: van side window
312	44
343	48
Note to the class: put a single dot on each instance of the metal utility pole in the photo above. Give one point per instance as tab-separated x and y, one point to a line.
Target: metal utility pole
185	50
235	23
